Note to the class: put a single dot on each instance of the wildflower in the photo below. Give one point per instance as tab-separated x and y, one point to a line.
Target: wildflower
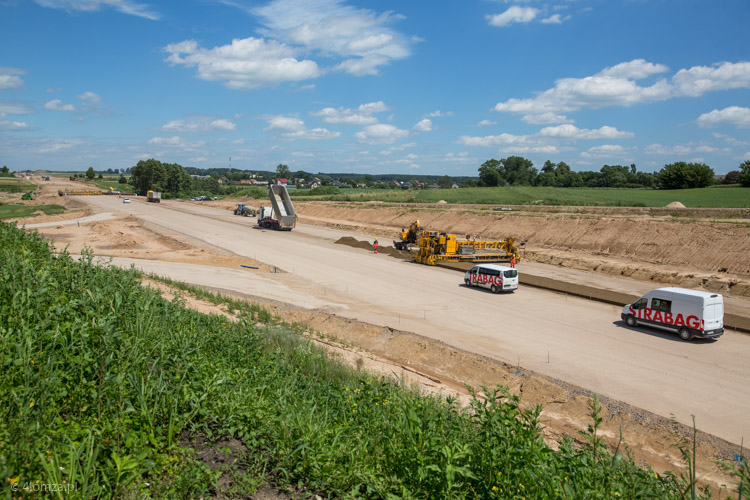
31	405
494	488
14	480
32	361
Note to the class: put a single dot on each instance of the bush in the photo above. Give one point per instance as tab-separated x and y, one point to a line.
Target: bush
683	175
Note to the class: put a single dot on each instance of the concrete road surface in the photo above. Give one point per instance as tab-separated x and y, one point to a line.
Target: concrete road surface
585	342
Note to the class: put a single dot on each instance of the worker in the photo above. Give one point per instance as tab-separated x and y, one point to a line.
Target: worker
375	246
513	260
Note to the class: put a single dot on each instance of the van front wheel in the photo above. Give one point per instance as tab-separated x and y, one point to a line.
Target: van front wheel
630	320
685	334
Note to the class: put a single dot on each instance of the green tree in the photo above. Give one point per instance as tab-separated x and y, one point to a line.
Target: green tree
282	171
745	175
123	180
90	174
5	169
148	175
683	175
518	171
489	174
732	177
100	176
445	182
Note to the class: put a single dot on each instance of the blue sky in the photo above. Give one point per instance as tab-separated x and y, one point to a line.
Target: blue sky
373	86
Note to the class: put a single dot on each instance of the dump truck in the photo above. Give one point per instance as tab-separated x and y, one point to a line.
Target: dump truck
245	210
435	247
153	196
281	215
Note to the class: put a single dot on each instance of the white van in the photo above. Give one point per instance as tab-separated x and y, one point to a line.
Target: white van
496	278
690	313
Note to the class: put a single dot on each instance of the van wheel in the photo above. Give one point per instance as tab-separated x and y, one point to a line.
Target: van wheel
468	282
494	289
685	334
630	320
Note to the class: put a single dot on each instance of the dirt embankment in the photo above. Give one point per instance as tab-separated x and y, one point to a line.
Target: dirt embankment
645	246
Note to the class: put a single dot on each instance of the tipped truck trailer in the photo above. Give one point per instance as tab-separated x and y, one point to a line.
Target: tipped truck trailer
281	216
690	313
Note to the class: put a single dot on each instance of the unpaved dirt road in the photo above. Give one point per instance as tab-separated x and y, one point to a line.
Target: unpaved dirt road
575	340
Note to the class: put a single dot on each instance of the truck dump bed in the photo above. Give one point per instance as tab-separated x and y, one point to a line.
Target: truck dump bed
283	208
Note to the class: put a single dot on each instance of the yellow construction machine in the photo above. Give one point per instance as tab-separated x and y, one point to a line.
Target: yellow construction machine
408	237
435	247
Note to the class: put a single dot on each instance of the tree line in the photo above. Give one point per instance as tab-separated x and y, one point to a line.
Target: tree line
519	171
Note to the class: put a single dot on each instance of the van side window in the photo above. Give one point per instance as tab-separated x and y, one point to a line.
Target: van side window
661	305
640	304
512	273
482	270
493	272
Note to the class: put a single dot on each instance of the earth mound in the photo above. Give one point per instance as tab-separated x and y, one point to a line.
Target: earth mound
675	204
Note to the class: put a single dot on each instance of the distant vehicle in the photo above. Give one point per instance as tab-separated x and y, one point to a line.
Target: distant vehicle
153	196
126	200
496	278
690	313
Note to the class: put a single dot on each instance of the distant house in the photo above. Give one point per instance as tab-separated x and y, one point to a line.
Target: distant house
336	183
312	184
398	184
361	185
281	180
454	186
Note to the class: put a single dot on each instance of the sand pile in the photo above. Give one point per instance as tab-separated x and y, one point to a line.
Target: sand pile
675	204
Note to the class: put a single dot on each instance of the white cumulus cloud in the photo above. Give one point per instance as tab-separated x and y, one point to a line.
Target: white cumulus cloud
618	86
514	14
545	118
733	115
200	124
9	78
568	131
245	63
10	125
555	19
58	105
362	38
360	116
424	125
381	133
294	128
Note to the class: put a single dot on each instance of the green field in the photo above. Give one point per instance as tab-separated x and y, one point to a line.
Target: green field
13	211
111	388
716	197
109	181
15	185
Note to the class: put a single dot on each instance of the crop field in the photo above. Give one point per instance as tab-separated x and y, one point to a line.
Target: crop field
714	197
108	387
15	185
13	211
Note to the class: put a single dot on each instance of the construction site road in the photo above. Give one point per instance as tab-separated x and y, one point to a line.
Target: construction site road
573	339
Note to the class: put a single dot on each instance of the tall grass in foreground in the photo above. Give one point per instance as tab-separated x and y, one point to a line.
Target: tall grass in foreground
103	381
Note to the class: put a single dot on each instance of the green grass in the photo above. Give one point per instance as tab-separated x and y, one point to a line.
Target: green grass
15	185
717	197
13	211
104	380
109	181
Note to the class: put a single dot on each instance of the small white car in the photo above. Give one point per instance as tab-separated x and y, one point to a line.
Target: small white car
126	200
496	278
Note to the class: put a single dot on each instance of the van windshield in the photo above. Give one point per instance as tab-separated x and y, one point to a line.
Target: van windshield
511	273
